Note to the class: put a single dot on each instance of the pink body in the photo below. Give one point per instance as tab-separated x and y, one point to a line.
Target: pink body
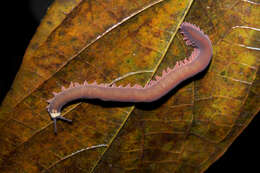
197	62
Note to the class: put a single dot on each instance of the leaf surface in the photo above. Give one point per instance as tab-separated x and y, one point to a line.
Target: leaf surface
125	42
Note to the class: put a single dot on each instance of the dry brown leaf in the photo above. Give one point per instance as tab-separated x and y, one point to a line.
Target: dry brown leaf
127	41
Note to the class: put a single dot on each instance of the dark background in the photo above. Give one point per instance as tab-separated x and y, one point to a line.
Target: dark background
19	22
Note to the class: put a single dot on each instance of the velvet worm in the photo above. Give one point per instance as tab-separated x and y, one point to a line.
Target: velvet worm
155	89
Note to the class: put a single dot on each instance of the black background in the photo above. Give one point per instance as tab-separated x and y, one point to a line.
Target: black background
19	22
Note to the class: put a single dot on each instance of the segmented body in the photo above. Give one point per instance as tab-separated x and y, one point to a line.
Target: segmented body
155	89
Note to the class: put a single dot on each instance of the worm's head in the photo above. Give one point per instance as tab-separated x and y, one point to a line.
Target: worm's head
54	114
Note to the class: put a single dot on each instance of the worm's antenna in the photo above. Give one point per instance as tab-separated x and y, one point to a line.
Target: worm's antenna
55	127
59	118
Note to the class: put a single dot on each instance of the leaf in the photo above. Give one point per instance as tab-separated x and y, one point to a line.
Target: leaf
130	42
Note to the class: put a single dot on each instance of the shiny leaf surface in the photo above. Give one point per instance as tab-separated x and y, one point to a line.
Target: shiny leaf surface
123	42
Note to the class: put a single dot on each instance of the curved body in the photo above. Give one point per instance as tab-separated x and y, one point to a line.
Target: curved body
198	61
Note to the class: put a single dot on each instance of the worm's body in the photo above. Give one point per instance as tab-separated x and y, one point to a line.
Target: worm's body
187	68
